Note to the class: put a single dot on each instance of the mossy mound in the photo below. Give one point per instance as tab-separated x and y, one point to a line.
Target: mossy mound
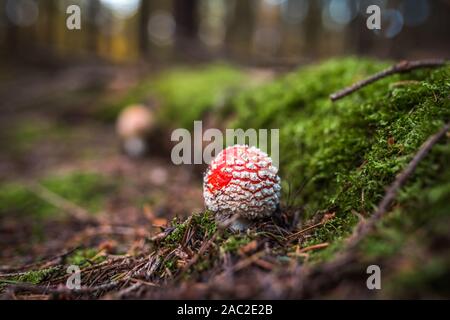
412	242
343	155
184	93
347	152
340	156
187	94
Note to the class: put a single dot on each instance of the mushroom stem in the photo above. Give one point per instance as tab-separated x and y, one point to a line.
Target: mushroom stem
135	147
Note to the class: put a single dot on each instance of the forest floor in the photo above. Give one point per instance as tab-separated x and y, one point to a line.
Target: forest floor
45	135
83	202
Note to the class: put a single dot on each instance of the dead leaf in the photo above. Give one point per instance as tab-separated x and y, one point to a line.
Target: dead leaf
108	246
391	141
328	216
160	222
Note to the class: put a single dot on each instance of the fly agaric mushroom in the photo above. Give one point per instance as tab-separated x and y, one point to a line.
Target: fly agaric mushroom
133	126
241	184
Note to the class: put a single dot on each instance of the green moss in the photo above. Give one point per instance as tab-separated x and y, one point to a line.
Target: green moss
15	198
335	229
85	257
29	131
387	242
420	228
24	134
203	223
427	279
171	264
175	237
30	277
327	253
87	190
235	242
185	94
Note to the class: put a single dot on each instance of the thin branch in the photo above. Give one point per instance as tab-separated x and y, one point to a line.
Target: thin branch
299	233
401	67
314	247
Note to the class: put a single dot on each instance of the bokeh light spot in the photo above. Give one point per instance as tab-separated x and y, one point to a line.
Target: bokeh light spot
22	13
161	28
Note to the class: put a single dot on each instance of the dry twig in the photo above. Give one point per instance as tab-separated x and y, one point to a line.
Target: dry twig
401	67
314	247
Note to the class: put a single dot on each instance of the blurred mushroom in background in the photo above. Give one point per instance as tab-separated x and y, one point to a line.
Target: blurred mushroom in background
133	128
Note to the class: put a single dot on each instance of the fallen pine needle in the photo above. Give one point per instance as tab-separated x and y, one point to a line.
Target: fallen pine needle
299	233
314	247
249	261
264	264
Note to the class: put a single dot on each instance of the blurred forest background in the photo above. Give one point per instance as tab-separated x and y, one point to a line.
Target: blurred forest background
257	32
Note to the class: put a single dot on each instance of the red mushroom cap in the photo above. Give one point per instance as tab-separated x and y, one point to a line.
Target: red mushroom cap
242	180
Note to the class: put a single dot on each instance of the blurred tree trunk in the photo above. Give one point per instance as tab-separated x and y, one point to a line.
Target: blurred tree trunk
312	29
51	13
240	28
144	16
93	12
186	18
11	35
359	39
